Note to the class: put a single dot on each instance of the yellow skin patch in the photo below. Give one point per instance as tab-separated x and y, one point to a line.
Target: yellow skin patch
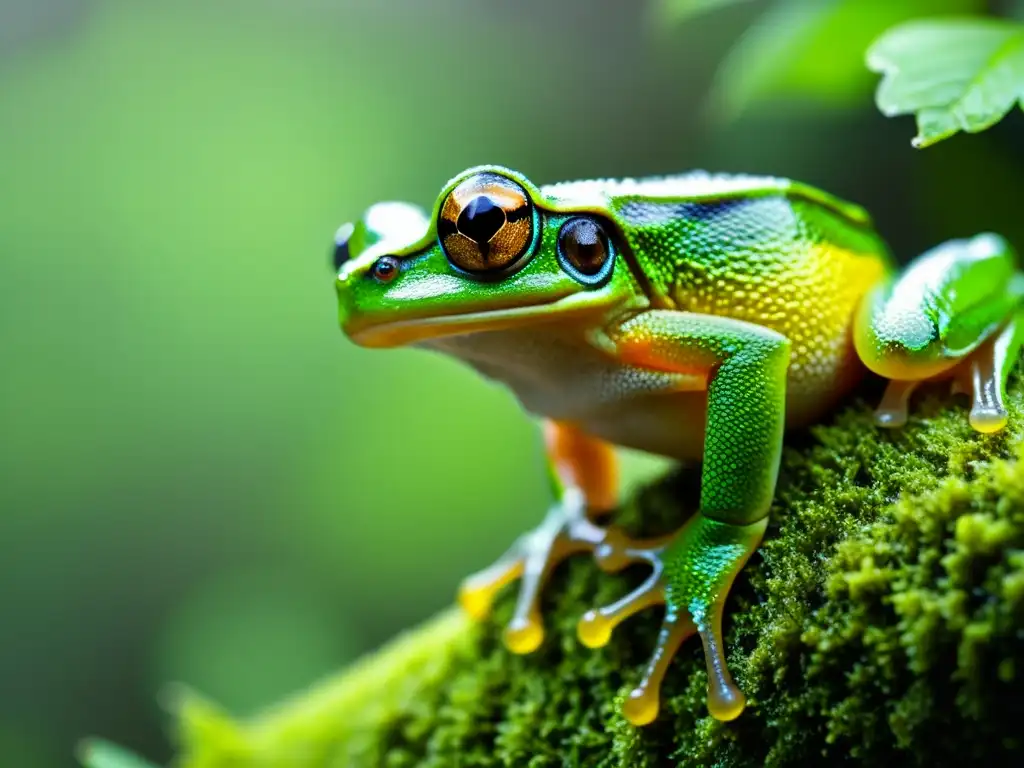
811	305
712	313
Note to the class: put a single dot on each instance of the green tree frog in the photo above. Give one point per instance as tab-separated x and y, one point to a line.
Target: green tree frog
689	316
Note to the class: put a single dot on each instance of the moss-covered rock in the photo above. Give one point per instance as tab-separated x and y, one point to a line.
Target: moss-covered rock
881	623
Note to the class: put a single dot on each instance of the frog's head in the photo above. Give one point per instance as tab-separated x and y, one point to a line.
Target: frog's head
494	253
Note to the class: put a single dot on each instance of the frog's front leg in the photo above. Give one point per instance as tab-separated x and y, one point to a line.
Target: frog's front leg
584	474
745	366
954	312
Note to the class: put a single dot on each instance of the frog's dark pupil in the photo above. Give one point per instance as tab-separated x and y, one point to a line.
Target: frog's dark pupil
481	219
585	246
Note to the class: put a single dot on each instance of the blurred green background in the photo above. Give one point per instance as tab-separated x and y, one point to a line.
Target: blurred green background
200	479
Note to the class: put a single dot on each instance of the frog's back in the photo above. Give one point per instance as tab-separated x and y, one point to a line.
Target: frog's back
766	250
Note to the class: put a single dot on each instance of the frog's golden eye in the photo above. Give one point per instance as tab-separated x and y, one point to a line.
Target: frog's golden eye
486	223
585	251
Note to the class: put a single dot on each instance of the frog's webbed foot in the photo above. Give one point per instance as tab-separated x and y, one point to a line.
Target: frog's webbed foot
565	531
692	572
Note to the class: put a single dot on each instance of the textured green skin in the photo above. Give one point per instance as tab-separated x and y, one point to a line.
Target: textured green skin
745	407
757	258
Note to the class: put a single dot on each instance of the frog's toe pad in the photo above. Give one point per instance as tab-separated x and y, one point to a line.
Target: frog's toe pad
524	634
988	420
726	703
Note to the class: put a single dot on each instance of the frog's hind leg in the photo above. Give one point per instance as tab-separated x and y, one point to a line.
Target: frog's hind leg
954	312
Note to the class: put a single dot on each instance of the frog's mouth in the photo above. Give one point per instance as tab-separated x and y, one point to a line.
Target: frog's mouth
396	333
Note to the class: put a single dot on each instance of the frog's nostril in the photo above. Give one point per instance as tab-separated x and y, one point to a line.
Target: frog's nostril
341	250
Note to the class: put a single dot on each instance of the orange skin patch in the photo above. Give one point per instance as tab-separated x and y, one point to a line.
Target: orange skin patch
583	462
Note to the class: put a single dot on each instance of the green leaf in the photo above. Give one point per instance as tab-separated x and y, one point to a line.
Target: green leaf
952	74
811	50
97	753
677	11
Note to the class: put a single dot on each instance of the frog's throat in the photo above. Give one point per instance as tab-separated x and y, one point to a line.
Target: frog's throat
579	307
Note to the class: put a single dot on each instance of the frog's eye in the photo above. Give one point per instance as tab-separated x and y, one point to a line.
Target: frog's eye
486	223
385	269
585	251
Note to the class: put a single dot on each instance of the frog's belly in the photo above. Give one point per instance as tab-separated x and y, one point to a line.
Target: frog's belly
670	424
564	378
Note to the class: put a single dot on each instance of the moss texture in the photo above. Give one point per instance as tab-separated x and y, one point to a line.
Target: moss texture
881	623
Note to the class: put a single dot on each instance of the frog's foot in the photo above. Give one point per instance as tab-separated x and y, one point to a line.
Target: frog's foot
981	375
564	532
692	573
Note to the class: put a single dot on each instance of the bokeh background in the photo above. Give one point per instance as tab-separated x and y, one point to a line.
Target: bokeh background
200	479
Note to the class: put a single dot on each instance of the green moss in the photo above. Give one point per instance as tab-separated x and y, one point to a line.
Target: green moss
880	623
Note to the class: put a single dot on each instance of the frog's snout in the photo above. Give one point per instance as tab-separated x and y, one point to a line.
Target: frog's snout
349	314
364	266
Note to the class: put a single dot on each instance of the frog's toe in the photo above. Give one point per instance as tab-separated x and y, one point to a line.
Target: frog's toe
982	376
725	700
892	411
705	559
644	702
989	420
979	379
564	532
595	628
525	630
524	634
477	592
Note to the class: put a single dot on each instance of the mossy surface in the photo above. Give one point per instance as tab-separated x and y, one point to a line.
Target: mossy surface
881	623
